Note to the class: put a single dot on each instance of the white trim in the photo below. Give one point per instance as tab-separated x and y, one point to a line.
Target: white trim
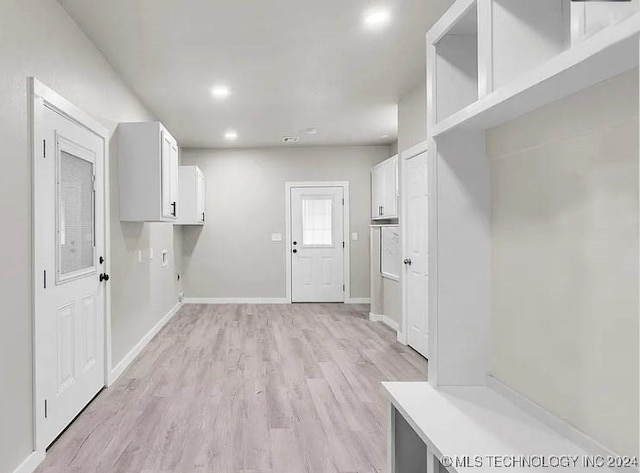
358	300
144	341
236	300
554	422
385	319
415	150
346	230
449	19
39	95
30	463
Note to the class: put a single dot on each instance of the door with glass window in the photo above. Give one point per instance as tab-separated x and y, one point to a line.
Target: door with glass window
317	244
69	245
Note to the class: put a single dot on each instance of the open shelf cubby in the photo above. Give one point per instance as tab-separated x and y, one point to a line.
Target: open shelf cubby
456	56
588	18
526	34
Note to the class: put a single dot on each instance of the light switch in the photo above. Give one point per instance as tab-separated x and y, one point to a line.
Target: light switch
354	236
164	255
139	256
276	237
150	253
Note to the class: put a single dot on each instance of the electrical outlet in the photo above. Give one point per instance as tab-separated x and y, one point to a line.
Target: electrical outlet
354	236
276	237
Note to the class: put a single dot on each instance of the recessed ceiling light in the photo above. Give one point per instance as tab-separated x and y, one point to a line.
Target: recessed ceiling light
376	18
384	136
311	131
231	135
220	91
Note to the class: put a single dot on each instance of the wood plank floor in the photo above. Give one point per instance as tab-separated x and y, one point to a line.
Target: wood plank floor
246	388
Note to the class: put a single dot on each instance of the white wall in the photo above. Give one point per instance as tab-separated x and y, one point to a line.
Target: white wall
412	117
37	38
233	255
565	259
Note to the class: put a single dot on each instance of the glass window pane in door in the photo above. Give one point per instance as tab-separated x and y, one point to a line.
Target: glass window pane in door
75	214
317	222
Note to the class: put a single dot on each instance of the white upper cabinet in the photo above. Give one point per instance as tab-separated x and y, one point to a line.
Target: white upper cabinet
384	190
192	196
148	170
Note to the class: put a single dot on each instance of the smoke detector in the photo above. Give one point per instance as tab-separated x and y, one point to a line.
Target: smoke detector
290	139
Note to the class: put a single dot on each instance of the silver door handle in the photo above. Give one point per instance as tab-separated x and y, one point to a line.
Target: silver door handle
407	261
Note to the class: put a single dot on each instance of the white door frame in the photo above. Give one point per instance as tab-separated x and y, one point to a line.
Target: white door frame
347	259
404	206
41	96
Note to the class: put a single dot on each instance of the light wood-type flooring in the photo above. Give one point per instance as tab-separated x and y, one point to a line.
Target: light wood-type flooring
246	388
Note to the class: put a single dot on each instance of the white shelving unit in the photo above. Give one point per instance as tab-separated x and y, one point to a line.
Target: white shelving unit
489	61
192	210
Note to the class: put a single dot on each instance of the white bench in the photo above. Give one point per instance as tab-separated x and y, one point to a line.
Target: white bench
471	430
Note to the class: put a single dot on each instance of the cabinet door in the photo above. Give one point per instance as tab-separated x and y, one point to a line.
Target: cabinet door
168	197
174	178
390	186
377	191
200	196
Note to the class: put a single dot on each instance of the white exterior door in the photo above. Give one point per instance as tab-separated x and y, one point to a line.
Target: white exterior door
69	251
416	271
317	244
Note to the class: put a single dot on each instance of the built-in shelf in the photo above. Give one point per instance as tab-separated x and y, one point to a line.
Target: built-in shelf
472	423
456	57
604	55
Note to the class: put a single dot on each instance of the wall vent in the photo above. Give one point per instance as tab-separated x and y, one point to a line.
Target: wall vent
290	139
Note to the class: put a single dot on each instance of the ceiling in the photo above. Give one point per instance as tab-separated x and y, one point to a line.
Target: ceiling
290	65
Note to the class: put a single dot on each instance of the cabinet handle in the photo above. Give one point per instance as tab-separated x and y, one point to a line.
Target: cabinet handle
382	210
173	204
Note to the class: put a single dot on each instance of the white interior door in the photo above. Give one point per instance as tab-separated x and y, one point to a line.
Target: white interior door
317	244
417	257
69	250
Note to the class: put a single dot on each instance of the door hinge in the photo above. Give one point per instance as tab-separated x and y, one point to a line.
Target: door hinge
46	410
343	201
343	244
44	148
45	278
343	288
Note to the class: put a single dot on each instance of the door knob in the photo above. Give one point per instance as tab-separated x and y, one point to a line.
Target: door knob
295	251
407	261
104	277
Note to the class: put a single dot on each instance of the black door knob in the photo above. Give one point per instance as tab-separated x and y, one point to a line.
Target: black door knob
407	261
295	242
104	277
295	251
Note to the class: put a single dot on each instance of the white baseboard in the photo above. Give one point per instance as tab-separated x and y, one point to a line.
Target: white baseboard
236	300
30	464
135	351
590	445
358	300
388	321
